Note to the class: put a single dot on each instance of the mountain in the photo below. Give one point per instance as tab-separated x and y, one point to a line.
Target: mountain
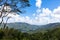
25	27
50	26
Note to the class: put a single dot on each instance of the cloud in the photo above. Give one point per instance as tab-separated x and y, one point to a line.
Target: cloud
41	17
48	16
44	17
38	3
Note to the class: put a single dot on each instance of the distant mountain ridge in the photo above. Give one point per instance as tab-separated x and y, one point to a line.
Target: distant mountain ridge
22	26
48	26
25	27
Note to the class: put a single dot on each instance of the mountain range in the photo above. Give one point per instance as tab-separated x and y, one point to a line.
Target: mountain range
25	27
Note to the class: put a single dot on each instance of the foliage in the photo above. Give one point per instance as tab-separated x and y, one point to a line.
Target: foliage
13	34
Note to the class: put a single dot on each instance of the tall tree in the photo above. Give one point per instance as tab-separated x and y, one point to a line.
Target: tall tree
9	6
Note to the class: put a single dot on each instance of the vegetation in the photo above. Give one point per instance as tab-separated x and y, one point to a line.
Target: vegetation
13	34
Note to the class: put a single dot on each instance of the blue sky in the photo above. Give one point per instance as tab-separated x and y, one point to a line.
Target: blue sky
40	12
30	10
51	4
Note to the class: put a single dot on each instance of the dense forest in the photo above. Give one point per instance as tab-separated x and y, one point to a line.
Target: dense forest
13	34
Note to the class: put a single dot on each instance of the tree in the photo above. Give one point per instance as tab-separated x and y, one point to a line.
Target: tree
9	6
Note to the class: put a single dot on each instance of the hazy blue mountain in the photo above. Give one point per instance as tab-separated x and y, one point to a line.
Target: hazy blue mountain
22	26
25	27
48	27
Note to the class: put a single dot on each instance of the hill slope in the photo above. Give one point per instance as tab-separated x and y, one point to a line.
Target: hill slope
27	27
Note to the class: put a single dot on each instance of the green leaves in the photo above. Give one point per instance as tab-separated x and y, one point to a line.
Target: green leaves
13	34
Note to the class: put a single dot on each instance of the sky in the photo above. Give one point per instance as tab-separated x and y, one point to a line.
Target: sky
40	12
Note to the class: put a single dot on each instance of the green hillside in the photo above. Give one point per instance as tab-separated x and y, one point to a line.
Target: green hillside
13	34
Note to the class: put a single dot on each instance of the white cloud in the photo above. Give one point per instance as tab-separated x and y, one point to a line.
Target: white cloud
57	10
45	17
41	17
38	3
48	16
